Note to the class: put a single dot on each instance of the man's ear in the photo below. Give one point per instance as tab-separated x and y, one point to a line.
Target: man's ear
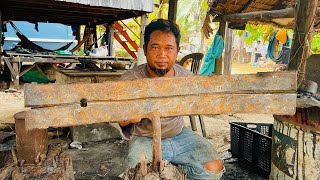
178	49
145	49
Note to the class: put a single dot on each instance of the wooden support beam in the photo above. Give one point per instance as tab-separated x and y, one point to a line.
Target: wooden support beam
174	96
172	14
300	50
222	31
228	52
260	15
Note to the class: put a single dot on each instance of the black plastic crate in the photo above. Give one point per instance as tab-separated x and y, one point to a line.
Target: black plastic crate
252	142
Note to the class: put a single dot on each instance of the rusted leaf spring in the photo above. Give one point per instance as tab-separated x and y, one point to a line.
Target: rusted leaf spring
113	111
38	95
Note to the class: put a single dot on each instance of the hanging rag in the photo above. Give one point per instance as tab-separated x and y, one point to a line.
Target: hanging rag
214	52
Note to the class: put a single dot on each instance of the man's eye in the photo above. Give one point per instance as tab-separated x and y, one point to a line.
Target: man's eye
169	48
154	47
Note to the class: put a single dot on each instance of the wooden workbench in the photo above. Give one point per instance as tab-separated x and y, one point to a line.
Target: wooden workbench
33	59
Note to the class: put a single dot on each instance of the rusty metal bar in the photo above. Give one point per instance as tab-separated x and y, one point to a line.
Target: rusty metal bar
39	95
113	111
156	142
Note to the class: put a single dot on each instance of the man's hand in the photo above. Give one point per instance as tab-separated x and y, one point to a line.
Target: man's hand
124	123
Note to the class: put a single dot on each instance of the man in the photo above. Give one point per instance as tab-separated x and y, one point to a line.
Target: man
180	145
258	51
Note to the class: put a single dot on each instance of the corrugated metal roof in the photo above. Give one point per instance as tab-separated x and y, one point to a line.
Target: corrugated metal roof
74	11
141	5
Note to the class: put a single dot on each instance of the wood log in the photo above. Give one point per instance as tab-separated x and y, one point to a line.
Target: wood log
261	15
300	50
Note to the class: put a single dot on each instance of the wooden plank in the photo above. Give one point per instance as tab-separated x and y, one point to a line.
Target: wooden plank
114	111
37	95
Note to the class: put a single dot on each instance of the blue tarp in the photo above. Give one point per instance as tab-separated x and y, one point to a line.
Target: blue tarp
214	52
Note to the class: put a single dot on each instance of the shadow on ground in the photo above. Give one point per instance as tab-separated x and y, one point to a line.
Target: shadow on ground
105	160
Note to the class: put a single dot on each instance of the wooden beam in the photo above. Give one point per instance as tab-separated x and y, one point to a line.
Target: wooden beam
222	31
228	52
44	95
300	50
172	14
260	15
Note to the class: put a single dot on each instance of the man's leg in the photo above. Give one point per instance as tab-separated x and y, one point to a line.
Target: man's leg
138	147
196	156
142	146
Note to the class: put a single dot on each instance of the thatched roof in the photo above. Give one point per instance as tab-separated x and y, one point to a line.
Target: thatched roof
221	8
73	11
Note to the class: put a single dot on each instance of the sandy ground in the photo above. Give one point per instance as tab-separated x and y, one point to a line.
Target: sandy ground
217	127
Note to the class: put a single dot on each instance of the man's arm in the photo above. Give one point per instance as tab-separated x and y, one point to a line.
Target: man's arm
131	121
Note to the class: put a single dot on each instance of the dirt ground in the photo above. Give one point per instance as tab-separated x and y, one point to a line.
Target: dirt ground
105	159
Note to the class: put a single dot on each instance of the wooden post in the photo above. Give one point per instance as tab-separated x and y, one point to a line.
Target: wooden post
31	144
228	52
0	33
242	50
222	30
15	66
144	22
172	14
300	50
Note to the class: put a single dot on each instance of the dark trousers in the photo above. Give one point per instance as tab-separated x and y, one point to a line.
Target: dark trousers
257	56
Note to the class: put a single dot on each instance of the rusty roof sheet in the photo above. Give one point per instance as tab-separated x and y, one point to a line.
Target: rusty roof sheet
74	11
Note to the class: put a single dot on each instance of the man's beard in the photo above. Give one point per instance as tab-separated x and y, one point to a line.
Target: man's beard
159	72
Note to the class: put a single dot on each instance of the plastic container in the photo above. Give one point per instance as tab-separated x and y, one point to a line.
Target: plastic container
252	142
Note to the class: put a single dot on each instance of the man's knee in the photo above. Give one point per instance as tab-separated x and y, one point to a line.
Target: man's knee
215	166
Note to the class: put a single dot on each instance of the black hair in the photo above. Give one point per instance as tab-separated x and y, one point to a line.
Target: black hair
162	25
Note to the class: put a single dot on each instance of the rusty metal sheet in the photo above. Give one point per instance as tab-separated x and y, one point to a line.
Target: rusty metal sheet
37	95
113	111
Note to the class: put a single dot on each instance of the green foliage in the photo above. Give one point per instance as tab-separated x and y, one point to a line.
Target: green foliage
258	32
190	17
315	44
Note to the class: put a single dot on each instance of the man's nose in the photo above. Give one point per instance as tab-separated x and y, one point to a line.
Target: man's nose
162	51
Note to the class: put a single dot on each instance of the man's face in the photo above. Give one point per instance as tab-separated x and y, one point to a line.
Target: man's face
162	50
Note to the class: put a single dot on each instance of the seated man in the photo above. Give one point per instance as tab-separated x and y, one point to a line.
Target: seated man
180	145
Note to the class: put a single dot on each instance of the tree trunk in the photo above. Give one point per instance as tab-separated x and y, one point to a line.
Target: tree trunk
300	50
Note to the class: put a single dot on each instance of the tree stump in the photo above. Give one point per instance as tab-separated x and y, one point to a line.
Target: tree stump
54	165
